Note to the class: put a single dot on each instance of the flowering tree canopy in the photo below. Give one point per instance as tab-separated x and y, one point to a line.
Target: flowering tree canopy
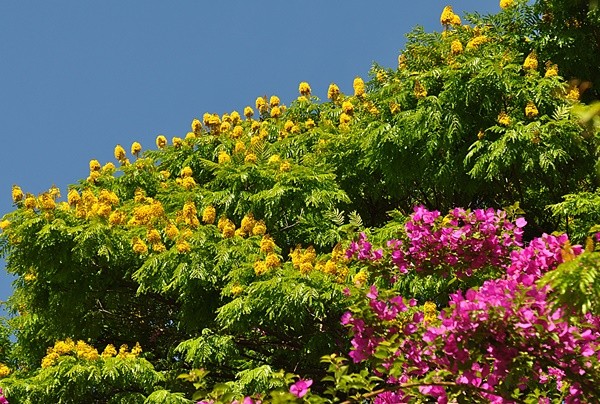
429	236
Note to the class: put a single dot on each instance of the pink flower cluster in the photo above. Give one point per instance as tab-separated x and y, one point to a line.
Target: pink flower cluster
500	338
461	242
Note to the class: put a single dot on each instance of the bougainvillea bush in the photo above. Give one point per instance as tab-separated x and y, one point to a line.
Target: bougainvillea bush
394	244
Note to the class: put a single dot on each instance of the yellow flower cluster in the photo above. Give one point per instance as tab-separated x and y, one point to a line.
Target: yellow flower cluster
267	245
333	92
236	290
226	226
420	91
456	47
359	87
4	370
531	110
347	107
304	89
189	214
430	312
138	246
573	94
17	194
360	278
503	118
504	4
303	260
476	41
120	154
531	62
209	214
136	148
68	347
448	17
551	70
124	352
4	224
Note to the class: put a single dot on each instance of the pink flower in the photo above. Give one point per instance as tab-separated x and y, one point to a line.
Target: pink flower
300	388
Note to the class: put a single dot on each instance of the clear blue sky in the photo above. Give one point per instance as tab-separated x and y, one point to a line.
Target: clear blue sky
78	77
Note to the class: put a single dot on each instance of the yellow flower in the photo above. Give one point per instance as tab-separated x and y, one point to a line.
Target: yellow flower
302	99
30	202
248	112
573	94
531	110
531	62
430	312
272	261
274	159
223	157
394	107
228	229
171	231
190	214
259	228
136	350
333	91
360	278
103	210
159	247
420	91
49	360
183	247
190	136
345	118
310	123
455	20
456	47
238	131
359	87
304	88
247	223
236	290
401	61
196	126
4	224
288	126
504	4
226	118
225	126
209	214
240	147
235	118
4	370
480	135
260	268
261	104
17	194
551	70
255	126
109	351
108	168
267	245
503	119
95	165
330	267
274	101
119	153
186	171
153	236
136	148
447	16
139	247
285	166
347	107
177	141
47	202
275	112
305	267
476	41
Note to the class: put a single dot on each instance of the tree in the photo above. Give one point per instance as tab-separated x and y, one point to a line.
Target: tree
227	257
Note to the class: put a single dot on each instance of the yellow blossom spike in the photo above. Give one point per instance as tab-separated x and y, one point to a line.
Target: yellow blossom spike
333	92
359	87
136	148
161	141
17	194
120	153
304	89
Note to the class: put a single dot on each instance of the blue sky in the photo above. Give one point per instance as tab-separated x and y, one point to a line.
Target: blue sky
78	77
